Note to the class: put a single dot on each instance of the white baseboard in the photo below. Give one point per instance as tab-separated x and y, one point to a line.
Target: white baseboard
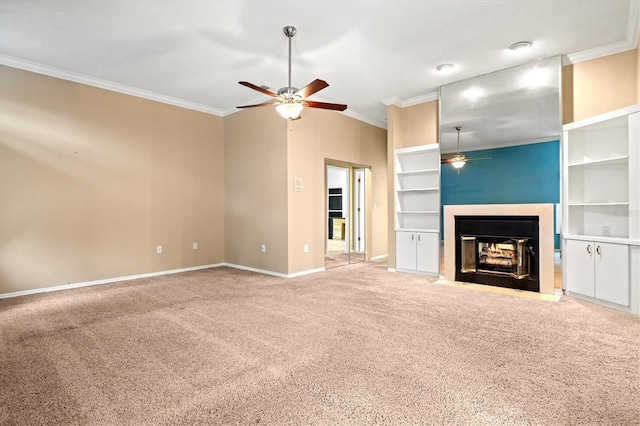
105	281
275	274
382	256
154	274
307	272
260	271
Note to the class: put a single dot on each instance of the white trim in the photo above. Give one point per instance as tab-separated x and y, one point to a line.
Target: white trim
382	256
365	119
601	117
260	271
483	147
598	52
22	64
106	281
629	43
275	274
154	274
403	103
103	84
307	272
391	270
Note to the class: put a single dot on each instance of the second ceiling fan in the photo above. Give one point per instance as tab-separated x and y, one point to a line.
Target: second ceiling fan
289	101
459	160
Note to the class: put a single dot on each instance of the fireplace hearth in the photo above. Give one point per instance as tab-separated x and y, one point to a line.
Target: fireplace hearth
499	250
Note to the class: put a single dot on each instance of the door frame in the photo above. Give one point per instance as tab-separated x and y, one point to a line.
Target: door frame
368	204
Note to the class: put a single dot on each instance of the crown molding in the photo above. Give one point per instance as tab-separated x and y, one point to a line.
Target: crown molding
630	42
393	100
103	84
22	64
403	103
365	119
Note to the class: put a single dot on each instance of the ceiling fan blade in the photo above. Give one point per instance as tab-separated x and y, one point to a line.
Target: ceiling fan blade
326	105
457	157
450	160
311	88
258	88
268	103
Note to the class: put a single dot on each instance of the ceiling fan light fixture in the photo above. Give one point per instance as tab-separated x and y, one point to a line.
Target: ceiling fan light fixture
458	163
521	45
290	110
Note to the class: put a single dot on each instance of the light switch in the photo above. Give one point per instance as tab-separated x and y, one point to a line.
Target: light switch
297	184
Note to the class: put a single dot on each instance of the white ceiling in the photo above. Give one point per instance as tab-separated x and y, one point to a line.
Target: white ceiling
193	53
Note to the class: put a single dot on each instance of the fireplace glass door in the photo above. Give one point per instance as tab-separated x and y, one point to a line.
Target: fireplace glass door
495	255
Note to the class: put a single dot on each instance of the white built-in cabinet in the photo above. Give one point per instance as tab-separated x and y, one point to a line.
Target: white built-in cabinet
601	201
599	270
417	188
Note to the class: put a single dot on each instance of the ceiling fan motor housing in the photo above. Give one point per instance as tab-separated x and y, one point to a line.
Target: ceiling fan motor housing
287	92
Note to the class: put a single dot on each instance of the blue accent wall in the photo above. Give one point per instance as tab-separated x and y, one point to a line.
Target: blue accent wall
515	175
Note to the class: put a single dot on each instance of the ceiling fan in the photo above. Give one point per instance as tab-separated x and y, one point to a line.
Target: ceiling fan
459	160
289	101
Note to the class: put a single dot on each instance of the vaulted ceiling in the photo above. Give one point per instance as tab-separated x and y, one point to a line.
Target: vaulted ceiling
372	53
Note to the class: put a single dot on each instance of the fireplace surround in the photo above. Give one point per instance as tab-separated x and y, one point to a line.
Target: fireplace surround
544	251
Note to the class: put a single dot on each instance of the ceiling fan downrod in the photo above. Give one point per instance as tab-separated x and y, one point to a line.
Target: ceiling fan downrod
289	31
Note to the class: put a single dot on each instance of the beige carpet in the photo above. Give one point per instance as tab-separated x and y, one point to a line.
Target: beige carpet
353	345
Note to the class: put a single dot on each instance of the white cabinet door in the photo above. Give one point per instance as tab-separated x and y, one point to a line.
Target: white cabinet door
428	252
612	272
580	269
406	250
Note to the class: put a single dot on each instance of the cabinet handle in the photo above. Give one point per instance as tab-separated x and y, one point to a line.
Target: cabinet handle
589	248
598	250
413	237
418	237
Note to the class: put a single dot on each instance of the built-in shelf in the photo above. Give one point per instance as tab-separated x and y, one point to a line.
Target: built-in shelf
622	159
615	203
418	172
417	202
601	197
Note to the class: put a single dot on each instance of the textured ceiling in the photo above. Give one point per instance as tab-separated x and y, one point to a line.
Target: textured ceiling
193	53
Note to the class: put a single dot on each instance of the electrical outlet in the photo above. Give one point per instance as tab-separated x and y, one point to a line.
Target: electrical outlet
306	248
263	248
195	246
159	249
606	231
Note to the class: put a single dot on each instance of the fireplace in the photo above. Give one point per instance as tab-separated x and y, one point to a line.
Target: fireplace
498	250
543	264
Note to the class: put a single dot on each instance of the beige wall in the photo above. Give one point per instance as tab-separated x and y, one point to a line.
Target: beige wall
324	135
600	85
407	127
91	181
419	125
256	189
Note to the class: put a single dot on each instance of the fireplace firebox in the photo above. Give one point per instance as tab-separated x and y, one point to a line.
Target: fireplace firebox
498	250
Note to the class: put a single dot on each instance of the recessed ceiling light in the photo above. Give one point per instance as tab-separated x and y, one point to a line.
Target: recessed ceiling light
445	67
520	45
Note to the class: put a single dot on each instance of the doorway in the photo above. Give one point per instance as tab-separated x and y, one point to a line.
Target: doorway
346	213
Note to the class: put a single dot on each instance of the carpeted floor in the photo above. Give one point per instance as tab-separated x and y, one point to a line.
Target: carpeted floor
353	345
